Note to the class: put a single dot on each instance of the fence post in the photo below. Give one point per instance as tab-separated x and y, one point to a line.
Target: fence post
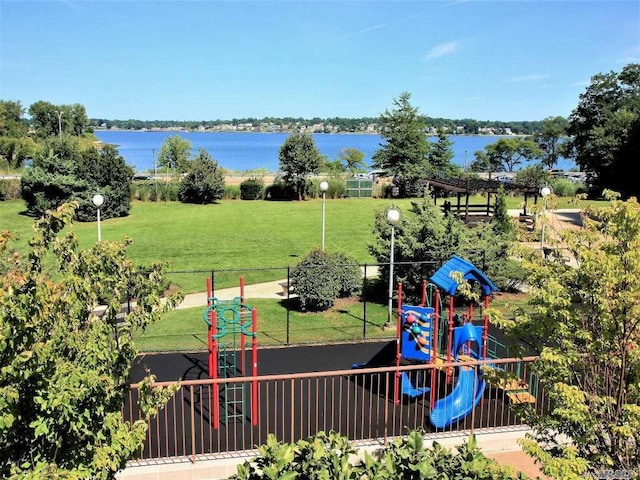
288	305
364	304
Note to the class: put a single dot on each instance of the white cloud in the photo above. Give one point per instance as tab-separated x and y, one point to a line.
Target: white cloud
377	27
455	2
442	50
528	78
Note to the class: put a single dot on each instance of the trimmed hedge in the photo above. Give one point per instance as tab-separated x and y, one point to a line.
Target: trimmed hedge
321	277
252	189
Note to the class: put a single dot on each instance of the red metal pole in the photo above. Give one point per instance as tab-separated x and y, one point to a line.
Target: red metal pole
254	367
396	391
215	400
423	301
243	343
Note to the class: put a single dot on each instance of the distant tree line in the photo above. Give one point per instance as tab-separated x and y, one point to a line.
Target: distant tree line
340	124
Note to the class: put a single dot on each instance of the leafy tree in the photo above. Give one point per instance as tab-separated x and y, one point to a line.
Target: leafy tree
551	139
352	158
204	182
424	234
532	176
584	322
441	155
48	119
404	151
174	153
299	158
15	151
63	171
64	370
505	154
605	130
11	124
44	118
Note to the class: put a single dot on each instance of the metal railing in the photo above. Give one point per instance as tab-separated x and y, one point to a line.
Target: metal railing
361	404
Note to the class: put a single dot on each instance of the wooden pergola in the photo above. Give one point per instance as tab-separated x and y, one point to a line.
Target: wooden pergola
465	187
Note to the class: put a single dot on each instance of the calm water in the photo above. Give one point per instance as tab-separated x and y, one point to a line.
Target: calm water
249	151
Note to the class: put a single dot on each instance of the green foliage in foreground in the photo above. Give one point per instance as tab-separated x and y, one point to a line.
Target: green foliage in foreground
64	370
329	456
585	324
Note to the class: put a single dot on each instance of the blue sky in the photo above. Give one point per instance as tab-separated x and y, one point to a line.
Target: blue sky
208	59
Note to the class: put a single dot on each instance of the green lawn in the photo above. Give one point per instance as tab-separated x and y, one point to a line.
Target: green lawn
186	330
235	235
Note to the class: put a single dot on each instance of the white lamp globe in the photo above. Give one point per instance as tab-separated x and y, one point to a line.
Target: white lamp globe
98	200
393	216
324	186
545	191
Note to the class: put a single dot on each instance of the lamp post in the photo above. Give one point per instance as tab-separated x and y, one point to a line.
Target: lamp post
155	172
59	113
324	186
545	192
393	216
98	200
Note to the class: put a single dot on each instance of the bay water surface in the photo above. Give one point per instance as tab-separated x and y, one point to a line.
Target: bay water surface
246	151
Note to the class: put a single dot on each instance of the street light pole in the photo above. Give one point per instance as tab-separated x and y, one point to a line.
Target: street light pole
59	113
98	201
155	172
545	192
393	216
324	186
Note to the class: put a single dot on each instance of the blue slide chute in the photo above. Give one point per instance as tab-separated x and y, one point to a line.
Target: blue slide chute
469	387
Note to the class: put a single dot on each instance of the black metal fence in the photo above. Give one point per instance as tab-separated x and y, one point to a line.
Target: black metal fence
281	321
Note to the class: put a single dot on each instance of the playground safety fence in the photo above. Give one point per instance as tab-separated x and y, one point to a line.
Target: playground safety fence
280	320
361	404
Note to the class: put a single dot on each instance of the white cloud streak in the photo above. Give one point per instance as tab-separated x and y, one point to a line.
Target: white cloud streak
528	78
441	50
378	27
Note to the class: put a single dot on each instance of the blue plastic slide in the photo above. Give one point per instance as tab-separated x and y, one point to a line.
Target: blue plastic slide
469	387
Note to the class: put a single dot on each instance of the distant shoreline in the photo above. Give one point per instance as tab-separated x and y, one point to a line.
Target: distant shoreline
170	130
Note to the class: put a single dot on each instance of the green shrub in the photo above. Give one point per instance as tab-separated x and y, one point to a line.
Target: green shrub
280	190
327	456
9	189
563	187
231	192
252	189
321	277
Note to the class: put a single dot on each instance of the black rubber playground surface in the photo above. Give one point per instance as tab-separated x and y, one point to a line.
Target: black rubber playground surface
271	361
359	406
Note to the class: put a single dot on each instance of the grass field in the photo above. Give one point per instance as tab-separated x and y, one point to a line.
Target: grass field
236	235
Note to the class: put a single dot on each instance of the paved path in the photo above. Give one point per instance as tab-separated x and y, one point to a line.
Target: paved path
271	289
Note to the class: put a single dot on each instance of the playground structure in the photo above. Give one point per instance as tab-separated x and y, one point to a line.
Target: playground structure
427	335
229	323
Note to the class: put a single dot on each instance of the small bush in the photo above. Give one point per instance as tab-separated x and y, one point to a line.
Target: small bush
231	192
320	278
564	187
9	189
252	189
280	190
328	455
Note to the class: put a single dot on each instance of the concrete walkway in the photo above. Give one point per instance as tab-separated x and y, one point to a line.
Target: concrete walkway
273	289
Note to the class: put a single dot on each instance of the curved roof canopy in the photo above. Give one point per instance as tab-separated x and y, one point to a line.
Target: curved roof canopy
442	278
